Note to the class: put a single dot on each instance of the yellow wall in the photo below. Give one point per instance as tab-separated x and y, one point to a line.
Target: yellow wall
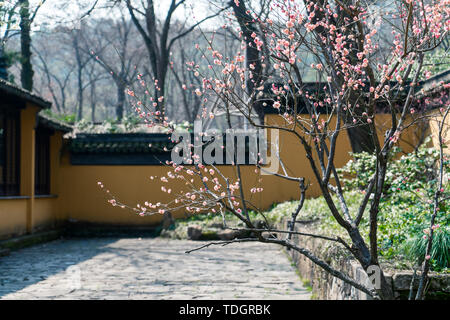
26	213
15	214
27	145
44	213
78	196
294	158
435	119
13	217
81	198
46	210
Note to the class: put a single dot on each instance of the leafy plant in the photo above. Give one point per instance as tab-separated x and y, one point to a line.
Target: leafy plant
406	203
410	172
68	118
131	122
440	250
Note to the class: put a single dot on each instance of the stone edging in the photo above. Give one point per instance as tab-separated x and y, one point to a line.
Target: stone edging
328	287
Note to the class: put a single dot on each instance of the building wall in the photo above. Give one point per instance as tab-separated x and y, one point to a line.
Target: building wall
16	212
294	157
76	195
435	119
81	198
13	217
26	213
47	211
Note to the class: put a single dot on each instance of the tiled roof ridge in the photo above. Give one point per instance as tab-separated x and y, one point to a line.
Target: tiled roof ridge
24	94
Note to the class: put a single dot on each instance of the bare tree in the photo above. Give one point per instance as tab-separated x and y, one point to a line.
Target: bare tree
156	36
75	40
191	102
115	48
57	79
253	55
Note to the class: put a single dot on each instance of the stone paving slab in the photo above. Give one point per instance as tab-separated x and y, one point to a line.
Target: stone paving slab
149	268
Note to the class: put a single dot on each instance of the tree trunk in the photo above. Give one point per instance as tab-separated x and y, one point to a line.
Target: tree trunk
385	290
3	64
26	73
80	95
79	76
251	53
362	254
93	103
120	101
93	107
360	137
160	90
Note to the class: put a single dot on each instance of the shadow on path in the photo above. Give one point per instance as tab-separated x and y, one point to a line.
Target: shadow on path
31	265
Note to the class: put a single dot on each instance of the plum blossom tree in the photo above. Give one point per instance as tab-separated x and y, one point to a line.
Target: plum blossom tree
338	42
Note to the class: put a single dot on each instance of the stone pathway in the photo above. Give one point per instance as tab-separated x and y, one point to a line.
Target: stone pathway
148	269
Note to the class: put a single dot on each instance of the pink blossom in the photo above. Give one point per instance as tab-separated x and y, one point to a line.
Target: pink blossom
436	226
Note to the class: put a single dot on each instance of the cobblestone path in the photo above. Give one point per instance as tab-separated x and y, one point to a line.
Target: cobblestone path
111	268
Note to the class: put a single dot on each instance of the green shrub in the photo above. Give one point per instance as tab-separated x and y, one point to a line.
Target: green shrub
67	118
405	208
415	249
409	172
406	204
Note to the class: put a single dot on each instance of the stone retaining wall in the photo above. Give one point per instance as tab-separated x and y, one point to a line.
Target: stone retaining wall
328	287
